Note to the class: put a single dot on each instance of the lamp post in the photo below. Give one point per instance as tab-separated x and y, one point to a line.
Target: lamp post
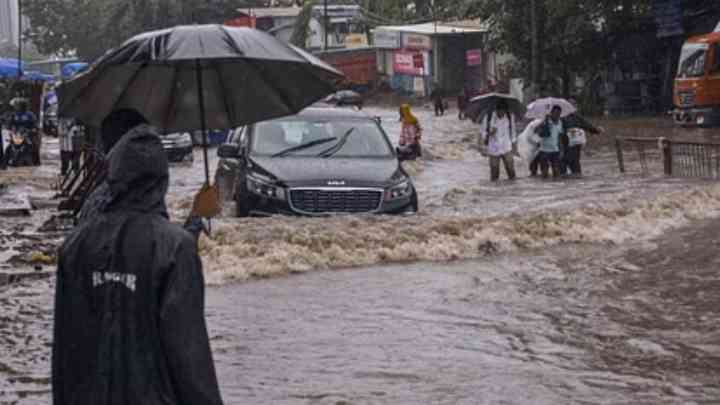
20	42
327	25
534	73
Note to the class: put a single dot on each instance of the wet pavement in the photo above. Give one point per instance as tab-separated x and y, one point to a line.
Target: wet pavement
597	290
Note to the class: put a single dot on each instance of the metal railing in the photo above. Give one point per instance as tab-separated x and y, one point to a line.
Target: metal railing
678	158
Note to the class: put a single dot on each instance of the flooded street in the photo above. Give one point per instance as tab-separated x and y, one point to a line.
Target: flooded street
595	324
600	290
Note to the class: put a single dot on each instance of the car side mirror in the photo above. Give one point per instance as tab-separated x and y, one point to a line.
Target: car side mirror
229	151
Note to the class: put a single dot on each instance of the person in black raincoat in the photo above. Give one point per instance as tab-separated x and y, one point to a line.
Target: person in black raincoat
129	304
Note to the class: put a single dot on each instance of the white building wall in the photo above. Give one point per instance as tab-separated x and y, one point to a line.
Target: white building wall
8	21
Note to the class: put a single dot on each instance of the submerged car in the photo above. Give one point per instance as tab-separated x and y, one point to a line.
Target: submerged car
321	161
178	147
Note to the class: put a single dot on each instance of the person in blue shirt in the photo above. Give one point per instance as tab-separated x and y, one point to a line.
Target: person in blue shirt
551	132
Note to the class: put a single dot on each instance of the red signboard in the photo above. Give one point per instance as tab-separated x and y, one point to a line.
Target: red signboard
244	21
409	63
474	57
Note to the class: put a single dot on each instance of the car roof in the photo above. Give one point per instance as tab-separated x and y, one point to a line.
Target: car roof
329	112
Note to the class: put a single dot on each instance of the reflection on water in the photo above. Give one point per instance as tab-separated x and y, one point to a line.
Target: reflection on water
576	324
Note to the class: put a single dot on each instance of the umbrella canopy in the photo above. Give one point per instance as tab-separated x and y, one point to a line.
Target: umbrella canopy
8	70
31	75
481	106
240	75
540	108
71	69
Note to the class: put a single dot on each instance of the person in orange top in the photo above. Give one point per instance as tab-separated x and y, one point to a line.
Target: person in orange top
410	134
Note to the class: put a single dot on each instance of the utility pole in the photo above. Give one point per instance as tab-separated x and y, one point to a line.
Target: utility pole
434	16
534	58
327	25
20	42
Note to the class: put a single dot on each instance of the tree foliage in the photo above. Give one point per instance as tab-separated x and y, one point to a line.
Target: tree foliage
575	36
91	27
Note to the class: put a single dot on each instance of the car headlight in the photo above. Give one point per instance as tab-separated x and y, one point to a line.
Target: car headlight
399	191
264	187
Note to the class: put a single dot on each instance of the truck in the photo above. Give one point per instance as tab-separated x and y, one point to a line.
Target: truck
696	93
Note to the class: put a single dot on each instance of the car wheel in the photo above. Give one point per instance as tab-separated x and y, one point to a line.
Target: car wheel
243	207
414	202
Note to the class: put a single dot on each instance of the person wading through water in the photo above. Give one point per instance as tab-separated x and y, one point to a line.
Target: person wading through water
501	141
410	135
129	303
551	132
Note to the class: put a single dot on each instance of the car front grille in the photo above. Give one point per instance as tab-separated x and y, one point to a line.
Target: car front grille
686	98
318	201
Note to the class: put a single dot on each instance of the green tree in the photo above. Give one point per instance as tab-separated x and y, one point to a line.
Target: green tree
90	27
575	36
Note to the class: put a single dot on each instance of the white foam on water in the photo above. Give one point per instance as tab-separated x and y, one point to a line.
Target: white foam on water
267	247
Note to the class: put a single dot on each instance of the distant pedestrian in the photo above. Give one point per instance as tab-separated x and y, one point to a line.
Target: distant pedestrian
551	131
26	122
410	134
129	324
500	140
70	136
462	101
438	102
576	129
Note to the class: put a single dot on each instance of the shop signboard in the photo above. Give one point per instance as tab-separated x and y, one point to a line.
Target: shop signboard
410	63
386	39
415	41
474	57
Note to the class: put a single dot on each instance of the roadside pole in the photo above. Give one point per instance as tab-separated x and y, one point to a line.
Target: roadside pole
20	44
534	64
327	25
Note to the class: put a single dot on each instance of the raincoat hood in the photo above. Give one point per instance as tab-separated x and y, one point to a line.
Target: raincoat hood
138	176
407	116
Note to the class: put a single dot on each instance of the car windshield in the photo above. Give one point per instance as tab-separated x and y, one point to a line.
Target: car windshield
314	137
692	60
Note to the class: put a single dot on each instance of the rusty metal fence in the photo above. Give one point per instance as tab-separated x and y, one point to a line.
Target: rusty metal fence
678	158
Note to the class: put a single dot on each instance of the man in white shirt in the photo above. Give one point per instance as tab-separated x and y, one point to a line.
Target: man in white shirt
500	141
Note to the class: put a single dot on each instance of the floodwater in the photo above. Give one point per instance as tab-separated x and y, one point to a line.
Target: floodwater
598	290
586	323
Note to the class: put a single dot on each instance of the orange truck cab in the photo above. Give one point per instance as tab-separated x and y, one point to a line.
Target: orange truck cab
696	93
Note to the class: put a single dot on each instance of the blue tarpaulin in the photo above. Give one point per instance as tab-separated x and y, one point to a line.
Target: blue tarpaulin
36	76
71	69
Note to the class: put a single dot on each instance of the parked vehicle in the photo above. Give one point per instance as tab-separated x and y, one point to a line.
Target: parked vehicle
19	153
178	146
322	161
697	85
346	98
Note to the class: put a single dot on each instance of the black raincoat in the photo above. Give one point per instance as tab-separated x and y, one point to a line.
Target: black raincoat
129	304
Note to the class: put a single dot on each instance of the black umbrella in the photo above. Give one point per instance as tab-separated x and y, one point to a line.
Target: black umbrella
481	106
206	76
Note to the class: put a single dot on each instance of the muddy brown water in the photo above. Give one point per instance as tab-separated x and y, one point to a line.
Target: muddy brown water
590	324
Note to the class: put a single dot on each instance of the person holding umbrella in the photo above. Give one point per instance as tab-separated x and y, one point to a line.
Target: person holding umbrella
500	140
575	140
572	138
551	131
129	301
